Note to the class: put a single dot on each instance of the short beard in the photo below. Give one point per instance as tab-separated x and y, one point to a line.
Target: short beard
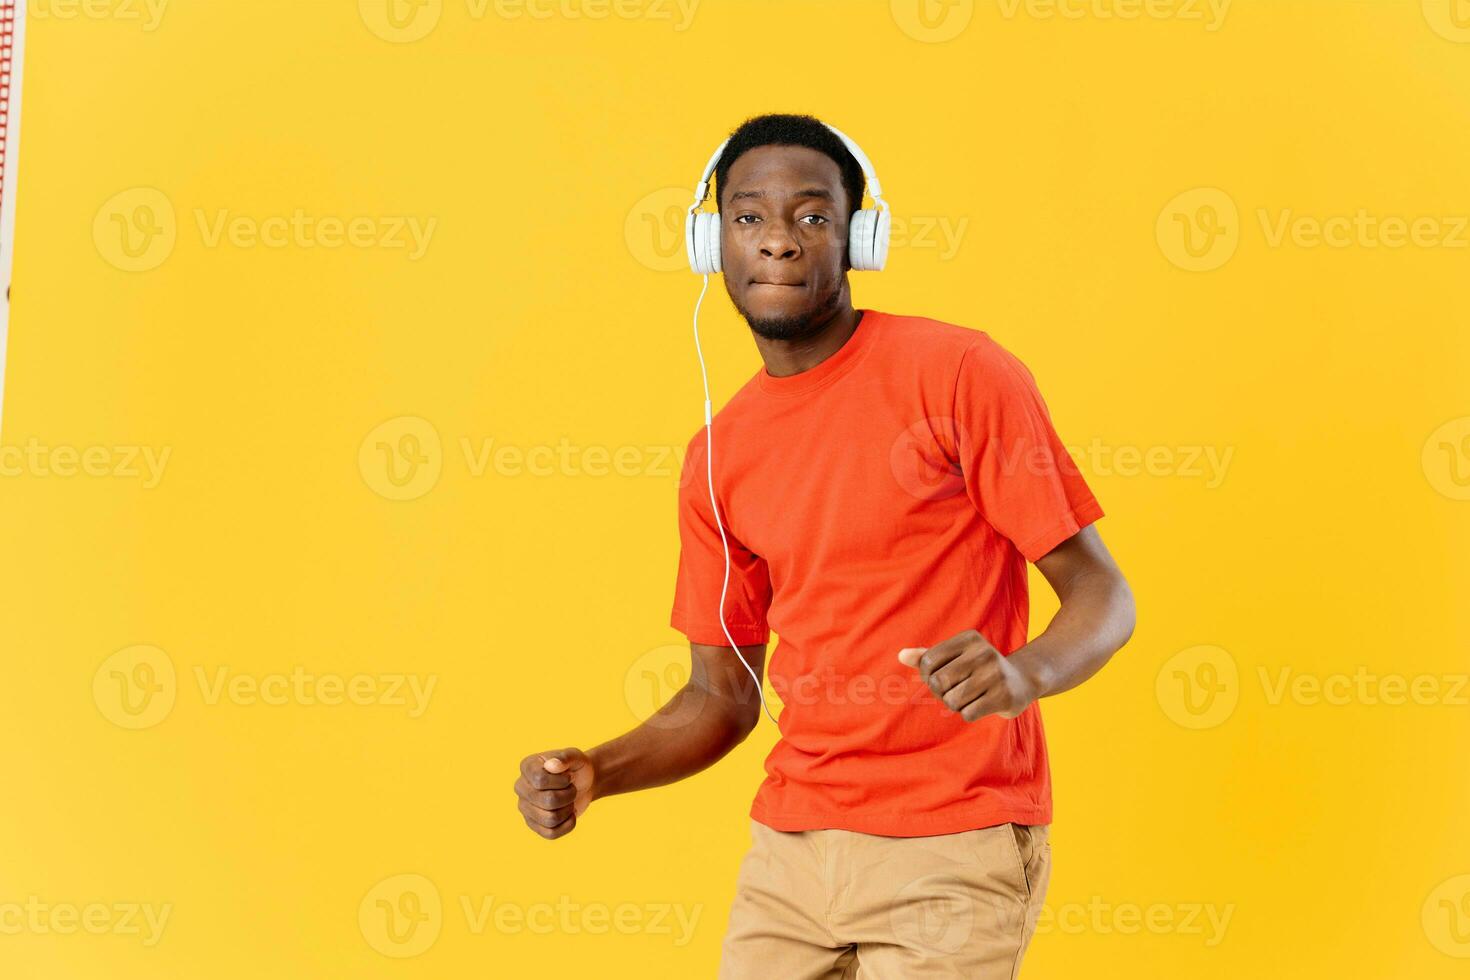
799	327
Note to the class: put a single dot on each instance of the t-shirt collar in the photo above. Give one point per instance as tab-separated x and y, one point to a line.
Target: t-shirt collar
837	362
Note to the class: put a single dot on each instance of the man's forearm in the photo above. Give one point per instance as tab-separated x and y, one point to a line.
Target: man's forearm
1095	619
692	732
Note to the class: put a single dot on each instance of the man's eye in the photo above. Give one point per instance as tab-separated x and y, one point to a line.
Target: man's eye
813	219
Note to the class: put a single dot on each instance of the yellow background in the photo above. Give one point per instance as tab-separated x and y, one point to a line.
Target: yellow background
546	309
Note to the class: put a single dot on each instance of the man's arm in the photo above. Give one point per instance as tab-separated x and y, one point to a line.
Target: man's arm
1095	619
698	726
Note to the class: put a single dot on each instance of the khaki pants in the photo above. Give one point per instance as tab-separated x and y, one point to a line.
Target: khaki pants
837	904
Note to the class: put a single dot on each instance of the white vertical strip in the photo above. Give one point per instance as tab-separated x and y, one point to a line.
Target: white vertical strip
7	202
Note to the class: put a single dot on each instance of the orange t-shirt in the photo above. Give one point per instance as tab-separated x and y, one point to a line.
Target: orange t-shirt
889	497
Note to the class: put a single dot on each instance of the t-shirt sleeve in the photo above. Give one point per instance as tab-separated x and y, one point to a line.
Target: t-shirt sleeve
696	611
1016	469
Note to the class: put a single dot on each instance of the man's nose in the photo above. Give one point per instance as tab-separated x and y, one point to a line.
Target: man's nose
778	242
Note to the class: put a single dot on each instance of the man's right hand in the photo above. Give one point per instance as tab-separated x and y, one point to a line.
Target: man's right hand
554	789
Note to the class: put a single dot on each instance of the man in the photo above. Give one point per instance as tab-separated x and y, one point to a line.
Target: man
882	483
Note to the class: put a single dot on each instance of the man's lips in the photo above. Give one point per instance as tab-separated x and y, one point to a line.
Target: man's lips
765	282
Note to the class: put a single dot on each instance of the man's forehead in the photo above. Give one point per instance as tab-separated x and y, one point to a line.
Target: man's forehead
777	161
781	164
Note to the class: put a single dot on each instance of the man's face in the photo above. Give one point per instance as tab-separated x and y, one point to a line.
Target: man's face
783	239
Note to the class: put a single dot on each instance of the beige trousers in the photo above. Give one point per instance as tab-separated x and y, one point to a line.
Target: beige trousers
837	904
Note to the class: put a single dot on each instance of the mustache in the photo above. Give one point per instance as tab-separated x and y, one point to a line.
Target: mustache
796	326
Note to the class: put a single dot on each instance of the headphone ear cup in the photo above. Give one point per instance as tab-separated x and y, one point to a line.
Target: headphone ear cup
860	240
857	240
712	242
702	239
884	224
689	249
867	239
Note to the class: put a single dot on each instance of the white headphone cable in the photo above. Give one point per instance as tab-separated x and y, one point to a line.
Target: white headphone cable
709	458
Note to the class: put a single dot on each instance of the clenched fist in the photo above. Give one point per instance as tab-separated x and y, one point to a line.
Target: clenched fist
972	677
554	788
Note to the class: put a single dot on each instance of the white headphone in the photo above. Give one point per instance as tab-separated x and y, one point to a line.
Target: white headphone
867	231
867	244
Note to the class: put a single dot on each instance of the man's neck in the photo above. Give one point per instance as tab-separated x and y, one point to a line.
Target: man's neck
787	357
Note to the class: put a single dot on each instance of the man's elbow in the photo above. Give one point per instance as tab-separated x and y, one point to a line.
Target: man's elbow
1125	610
745	715
727	716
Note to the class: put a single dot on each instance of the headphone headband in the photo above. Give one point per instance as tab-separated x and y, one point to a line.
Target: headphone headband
875	188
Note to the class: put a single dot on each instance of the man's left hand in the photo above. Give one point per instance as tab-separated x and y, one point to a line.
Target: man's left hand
972	677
